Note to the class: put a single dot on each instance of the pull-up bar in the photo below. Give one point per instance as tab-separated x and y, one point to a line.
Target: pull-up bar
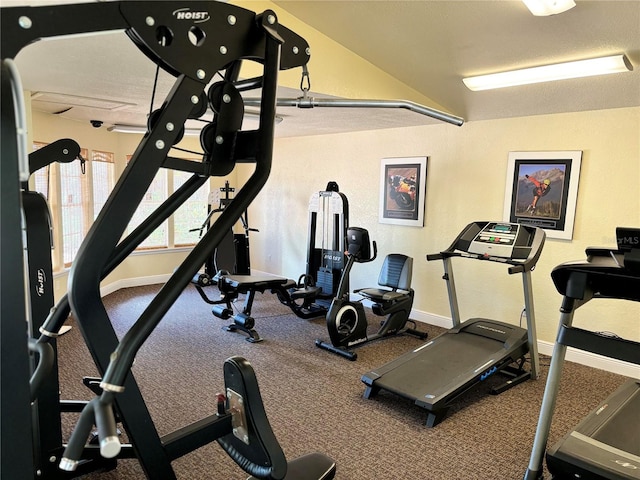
310	102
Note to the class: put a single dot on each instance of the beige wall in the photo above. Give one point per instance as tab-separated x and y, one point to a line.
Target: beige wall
466	182
329	61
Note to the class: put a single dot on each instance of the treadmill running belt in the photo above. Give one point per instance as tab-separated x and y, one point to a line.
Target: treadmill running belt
606	444
452	360
621	433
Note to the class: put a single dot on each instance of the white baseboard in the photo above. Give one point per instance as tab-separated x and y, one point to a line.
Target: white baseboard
133	282
545	348
431	318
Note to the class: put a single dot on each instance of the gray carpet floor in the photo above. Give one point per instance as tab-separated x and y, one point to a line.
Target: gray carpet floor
314	398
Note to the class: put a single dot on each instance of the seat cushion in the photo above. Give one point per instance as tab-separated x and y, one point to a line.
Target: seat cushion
381	295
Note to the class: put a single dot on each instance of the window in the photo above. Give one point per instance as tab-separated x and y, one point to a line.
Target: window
76	197
75	194
103	178
191	213
75	216
84	189
155	195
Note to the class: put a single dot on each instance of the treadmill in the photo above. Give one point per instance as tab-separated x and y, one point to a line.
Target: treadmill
435	374
606	444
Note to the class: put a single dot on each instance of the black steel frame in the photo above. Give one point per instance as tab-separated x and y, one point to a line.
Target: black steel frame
229	35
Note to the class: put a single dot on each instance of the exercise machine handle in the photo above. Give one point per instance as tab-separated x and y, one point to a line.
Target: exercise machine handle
45	362
375	253
98	411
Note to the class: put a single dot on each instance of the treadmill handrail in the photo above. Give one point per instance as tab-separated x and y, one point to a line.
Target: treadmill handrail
517	266
456	249
602	275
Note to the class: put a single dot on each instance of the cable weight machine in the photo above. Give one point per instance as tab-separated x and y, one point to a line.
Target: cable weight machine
167	40
232	254
309	297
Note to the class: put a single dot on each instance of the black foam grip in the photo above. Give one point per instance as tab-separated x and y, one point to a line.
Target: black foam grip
244	463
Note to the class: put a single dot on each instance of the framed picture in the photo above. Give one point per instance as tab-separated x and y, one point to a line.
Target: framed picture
403	184
541	190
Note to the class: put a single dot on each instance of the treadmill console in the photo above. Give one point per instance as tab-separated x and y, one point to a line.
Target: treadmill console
511	243
496	239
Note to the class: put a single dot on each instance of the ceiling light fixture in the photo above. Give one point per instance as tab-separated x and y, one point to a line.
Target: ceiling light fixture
548	73
140	130
543	8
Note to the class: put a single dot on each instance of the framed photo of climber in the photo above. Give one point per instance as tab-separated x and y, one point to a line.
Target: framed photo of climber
403	184
542	189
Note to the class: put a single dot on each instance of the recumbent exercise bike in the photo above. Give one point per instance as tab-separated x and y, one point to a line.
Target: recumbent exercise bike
346	319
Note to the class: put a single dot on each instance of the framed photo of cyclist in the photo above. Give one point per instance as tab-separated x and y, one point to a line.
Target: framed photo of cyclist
542	189
403	183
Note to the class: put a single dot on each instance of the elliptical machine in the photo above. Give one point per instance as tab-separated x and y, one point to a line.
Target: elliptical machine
346	320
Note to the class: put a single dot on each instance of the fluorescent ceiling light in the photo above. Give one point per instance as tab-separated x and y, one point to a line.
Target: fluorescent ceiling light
140	130
547	73
251	121
542	8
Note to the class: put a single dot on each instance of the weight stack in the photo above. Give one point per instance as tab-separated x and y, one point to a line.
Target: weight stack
325	281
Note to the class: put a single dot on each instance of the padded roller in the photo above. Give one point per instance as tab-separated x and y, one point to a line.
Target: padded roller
222	312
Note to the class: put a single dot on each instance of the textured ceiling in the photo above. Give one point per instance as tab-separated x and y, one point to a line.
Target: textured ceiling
432	45
427	45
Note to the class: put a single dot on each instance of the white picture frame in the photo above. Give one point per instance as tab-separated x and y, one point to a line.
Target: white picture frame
542	189
403	184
